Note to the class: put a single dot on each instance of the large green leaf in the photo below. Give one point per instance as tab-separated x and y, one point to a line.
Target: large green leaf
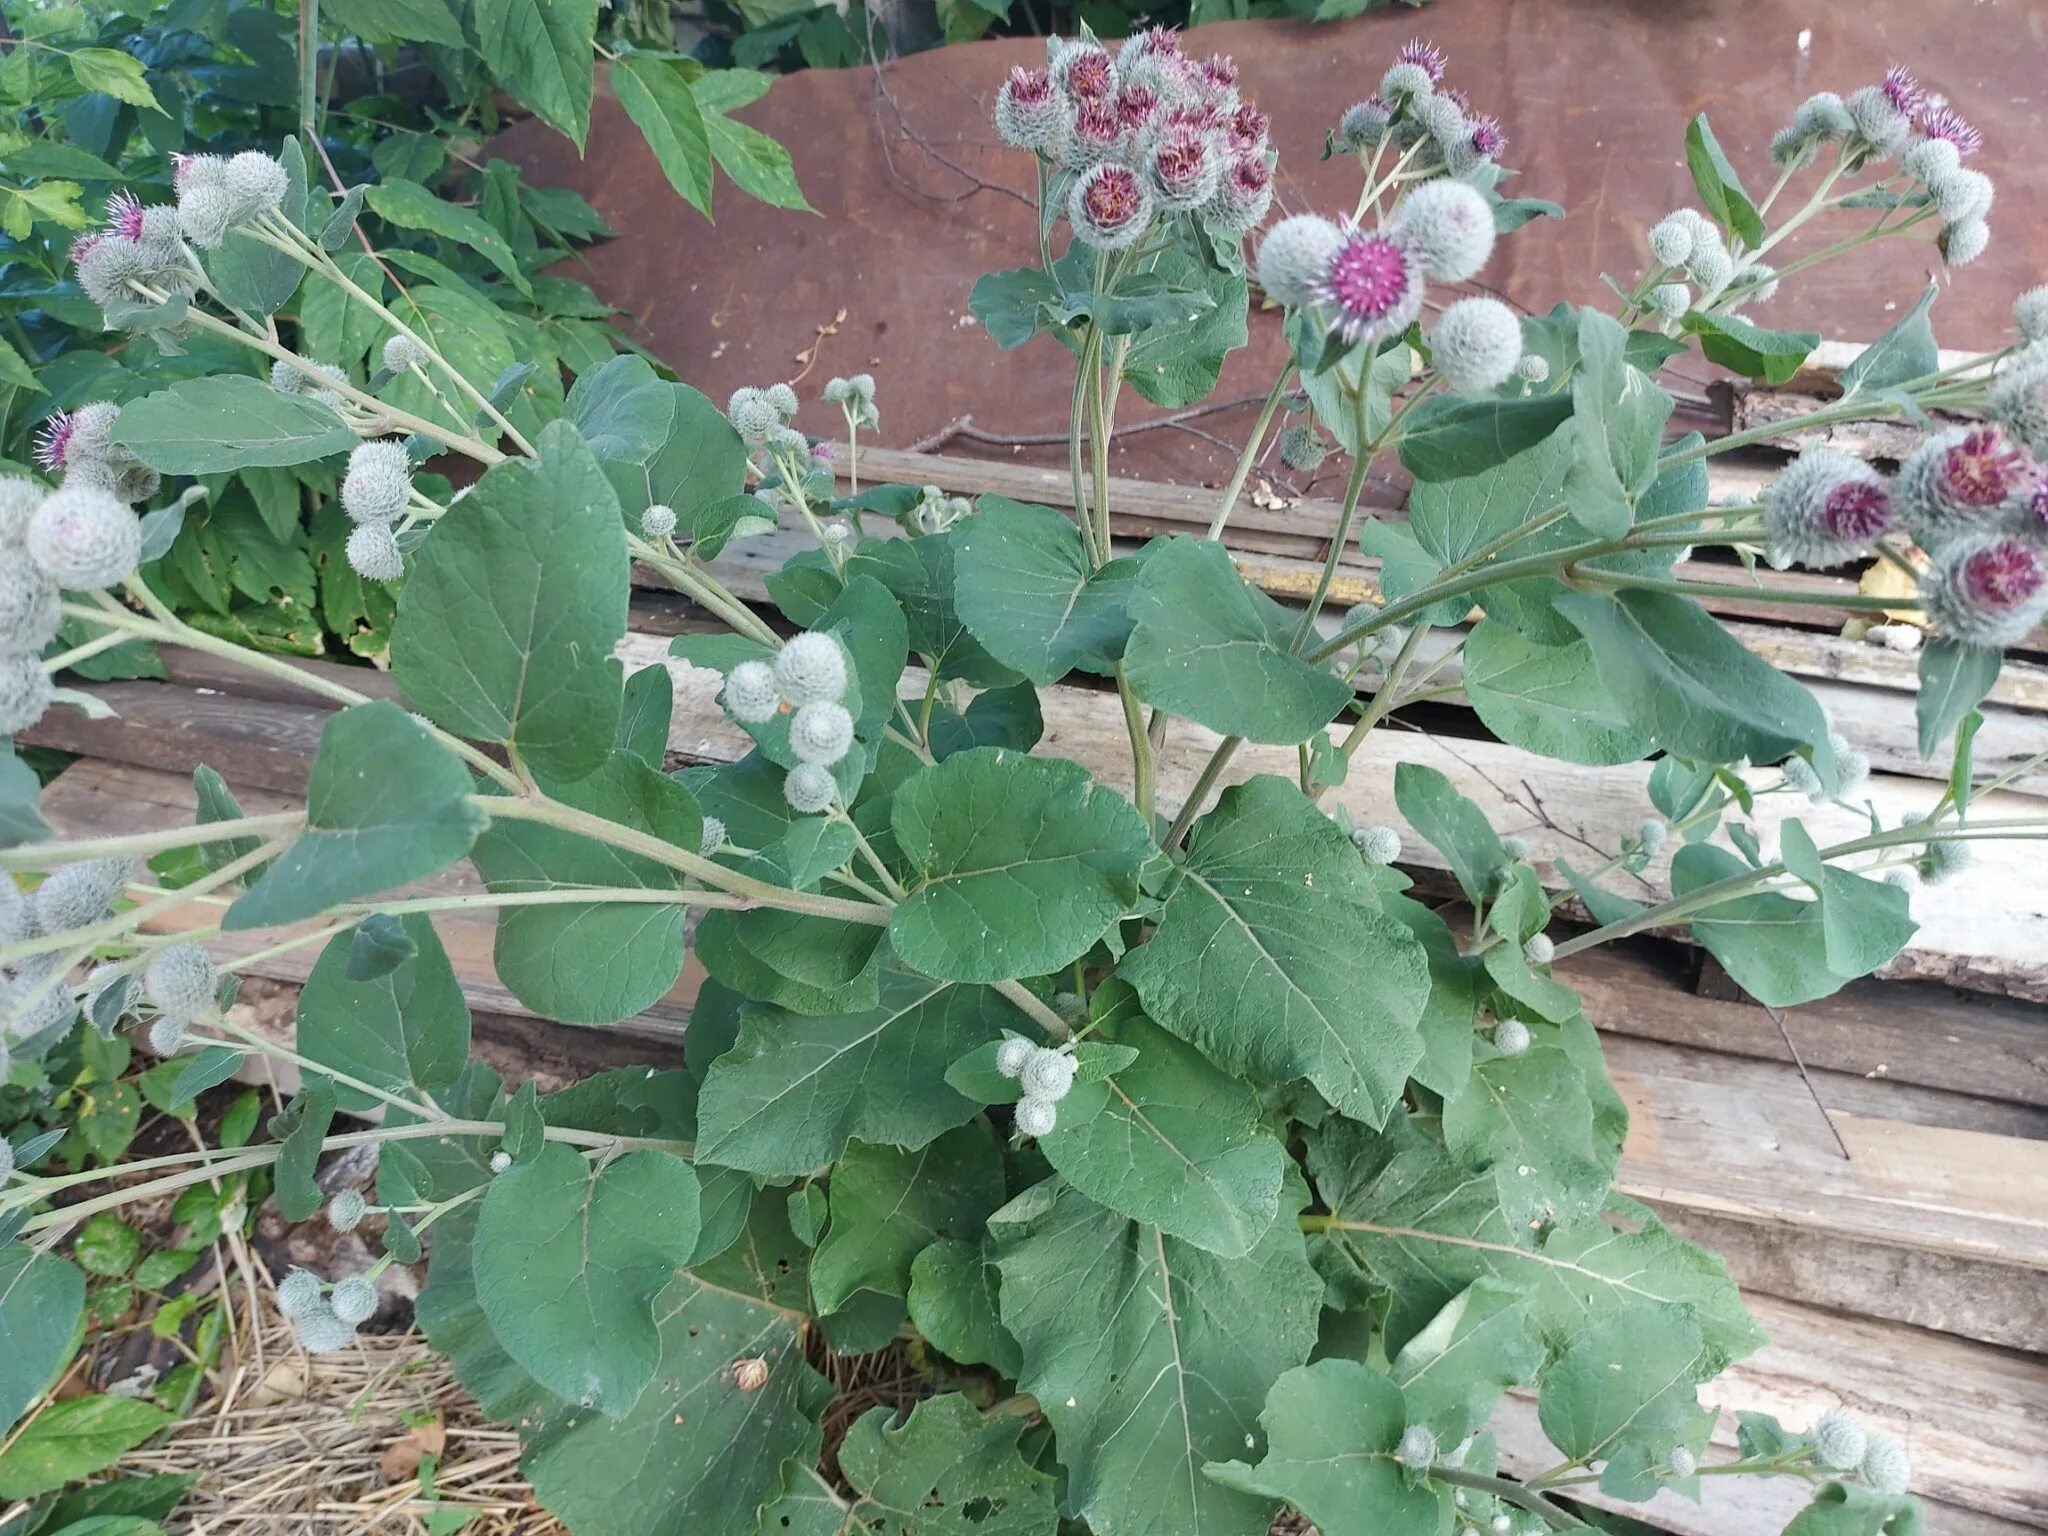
1529	1118
1405	1214
73	1439
1625	1395
954	1286
1547	699
1459	1365
405	1029
592	962
383	21
946	1471
541	51
699	1452
658	441
1175	365
1719	186
758	165
1851	1509
510	612
1673	669
655	91
1024	587
42	1297
1454	519
1954	678
920	574
569	1256
1618	419
386	804
1150	1356
1273	956
1170	1140
1452	436
1020	865
889	1204
471	334
793	1091
229	421
1332	1429
1906	351
1750	349
1207	646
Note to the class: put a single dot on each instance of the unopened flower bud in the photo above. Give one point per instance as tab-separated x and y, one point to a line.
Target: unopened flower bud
402	354
1418	1447
30	608
1962	194
378	482
1532	368
1048	1075
658	521
500	1161
19	498
1379	844
2030	314
1070	1008
83	539
1539	950
168	1033
1886	1467
257	182
1928	160
1671	240
1878	120
1303	448
1652	834
811	668
751	695
1476	344
809	788
1294	255
1963	242
298	1293
1942	860
1511	1037
1449	226
712	838
1406	82
1682	1462
1839	1440
345	1212
24	692
1365	124
80	893
321	1332
1013	1055
205	210
182	980
1516	848
1800	774
354	1300
821	732
1669	301
752	414
1036	1117
373	552
6	1147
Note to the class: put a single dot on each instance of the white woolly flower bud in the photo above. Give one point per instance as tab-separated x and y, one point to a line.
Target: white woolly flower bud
1539	950
810	669
1942	860
1036	1117
1418	1447
105	267
402	354
2030	314
19	498
373	553
6	1147
24	692
1502	1524
16	921
1852	768
1825	508
1988	589
1962	194
1886	1467
1013	1055
378	482
1476	344
821	732
500	1161
205	210
83	539
1929	160
1710	265
256	182
1962	243
1516	848
320	1332
167	1034
1302	448
1379	844
80	893
658	521
783	398
1030	113
30	612
298	1293
751	414
1070	1008
751	696
1669	301
1532	368
182	980
1511	1037
345	1212
1671	239
1294	255
809	788
1800	774
1048	1075
1878	121
354	1300
1364	124
1760	283
1839	1440
1653	834
1682	1462
1407	81
712	838
1449	226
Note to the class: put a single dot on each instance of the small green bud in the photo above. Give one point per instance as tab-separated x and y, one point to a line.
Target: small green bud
346	1210
1511	1037
658	521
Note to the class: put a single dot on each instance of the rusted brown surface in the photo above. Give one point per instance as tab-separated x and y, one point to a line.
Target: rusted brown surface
918	199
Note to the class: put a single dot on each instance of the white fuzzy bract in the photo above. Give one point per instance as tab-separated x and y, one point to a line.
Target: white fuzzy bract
321	1332
751	414
1449	226
1532	368
712	838
658	521
810	669
402	354
1294	255
1669	301
1963	242
1037	1117
1379	844
1652	833
751	695
809	789
205	210
1539	950
355	1299
820	732
29	608
1962	194
19	498
1418	1448
256	182
1886	1466
167	1034
378	482
1048	1075
1839	1440
84	539
345	1212
1013	1055
2030	313
1511	1037
24	692
1476	344
298	1293
182	980
1671	239
1302	448
373	552
1928	160
80	893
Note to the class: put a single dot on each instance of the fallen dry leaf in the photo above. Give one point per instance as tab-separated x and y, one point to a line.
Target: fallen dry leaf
401	1458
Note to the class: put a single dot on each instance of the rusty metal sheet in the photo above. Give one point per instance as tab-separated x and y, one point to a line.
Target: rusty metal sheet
916	198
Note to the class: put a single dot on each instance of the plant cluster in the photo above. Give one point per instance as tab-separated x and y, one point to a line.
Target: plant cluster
1199	1167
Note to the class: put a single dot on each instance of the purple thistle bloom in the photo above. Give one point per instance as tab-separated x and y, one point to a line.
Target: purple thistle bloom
124	215
1983	469
1426	54
1903	91
1371	285
54	439
1857	511
2003	575
1949	124
1488	141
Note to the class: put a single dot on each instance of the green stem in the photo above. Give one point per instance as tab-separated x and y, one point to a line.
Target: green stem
1383	699
1250	456
1226	749
1354	489
49	855
1026	1002
1144	766
1620	581
1552	1515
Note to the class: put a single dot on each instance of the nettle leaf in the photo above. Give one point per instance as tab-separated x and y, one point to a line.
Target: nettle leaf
889	1204
945	1471
1331	1432
1207	646
1625	1395
1530	1119
1405	1216
1024	587
1273	956
793	1091
1020	865
954	1285
703	1449
1170	1140
659	441
1149	1355
1547	699
229	421
386	804
569	1257
1456	1368
1618	419
1453	826
406	1028
42	1298
1673	668
592	962
540	50
510	611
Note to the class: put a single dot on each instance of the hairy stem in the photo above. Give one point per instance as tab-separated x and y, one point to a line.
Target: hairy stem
1250	456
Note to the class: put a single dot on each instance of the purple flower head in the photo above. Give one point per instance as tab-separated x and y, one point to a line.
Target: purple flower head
1218	72
1948	124
1371	286
1488	142
1247	129
1426	54
1456	98
1098	131
1983	469
1154	42
1136	105
1030	87
1856	511
1091	77
54	440
1903	91
2004	575
124	215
